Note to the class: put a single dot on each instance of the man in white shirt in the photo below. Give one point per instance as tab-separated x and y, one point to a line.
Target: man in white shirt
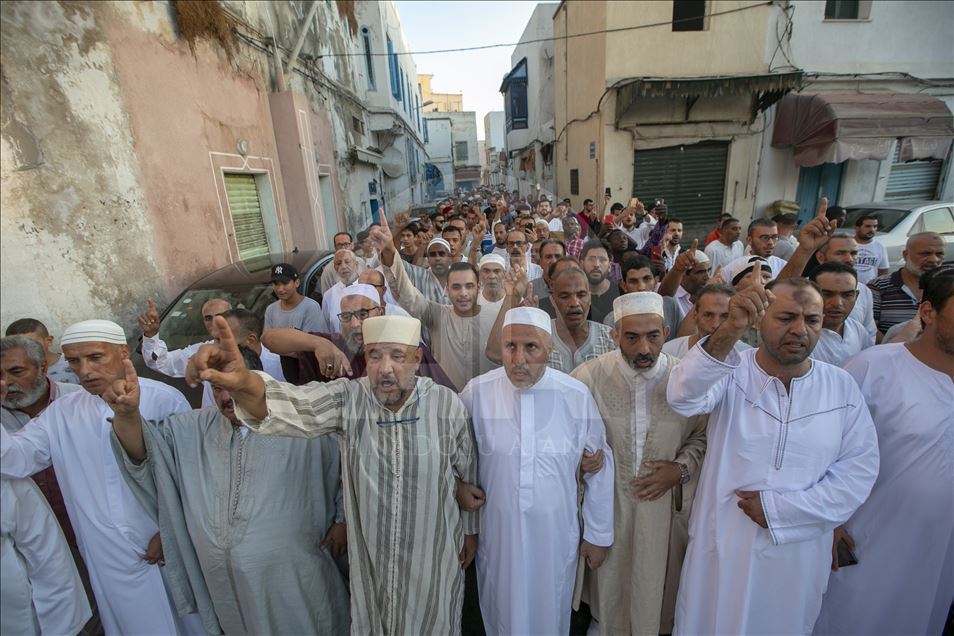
518	251
841	336
376	279
346	267
688	274
711	310
762	238
156	354
791	454
843	249
727	247
117	538
872	255
903	535
532	425
490	273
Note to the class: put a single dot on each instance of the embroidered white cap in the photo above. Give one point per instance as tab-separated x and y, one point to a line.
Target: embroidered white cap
528	316
495	259
93	331
439	241
391	329
638	303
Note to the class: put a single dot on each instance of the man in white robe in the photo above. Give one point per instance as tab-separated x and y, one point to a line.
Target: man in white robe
404	441
841	336
42	592
791	455
532	425
156	354
657	455
245	518
112	528
903	535
346	267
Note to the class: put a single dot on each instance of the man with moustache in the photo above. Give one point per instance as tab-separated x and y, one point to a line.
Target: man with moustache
711	310
241	514
897	296
118	539
404	441
872	255
156	354
791	454
657	454
841	336
596	263
551	250
432	281
518	253
346	267
727	247
532	425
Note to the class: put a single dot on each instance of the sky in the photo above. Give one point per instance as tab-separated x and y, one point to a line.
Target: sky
432	25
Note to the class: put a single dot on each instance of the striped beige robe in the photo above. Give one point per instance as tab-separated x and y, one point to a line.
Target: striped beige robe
405	530
626	594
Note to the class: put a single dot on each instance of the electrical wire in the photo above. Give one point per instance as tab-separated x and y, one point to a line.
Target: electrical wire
554	38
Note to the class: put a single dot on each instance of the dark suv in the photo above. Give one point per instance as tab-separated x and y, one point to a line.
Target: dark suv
244	284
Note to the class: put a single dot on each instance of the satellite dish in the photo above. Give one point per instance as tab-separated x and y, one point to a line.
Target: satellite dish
393	163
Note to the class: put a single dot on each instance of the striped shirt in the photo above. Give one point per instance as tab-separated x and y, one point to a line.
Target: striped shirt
893	302
405	529
598	341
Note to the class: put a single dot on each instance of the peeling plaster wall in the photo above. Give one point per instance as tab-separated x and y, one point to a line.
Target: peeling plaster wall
73	214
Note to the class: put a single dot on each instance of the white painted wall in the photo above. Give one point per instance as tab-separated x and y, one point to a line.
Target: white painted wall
495	131
464	127
540	105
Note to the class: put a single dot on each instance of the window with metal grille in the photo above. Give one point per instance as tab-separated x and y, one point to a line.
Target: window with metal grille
574	181
690	178
460	151
245	206
688	15
912	179
515	100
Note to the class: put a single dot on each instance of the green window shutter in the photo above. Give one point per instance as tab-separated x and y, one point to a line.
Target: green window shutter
246	212
690	178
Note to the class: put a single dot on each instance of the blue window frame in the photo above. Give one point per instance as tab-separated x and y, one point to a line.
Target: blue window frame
394	70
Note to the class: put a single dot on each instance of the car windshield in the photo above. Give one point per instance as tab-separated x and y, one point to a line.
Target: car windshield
182	325
887	217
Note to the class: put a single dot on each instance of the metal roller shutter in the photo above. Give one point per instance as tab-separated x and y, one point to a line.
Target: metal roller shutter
246	210
912	180
690	178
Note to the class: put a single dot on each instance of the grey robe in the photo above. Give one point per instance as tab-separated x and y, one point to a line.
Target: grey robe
241	518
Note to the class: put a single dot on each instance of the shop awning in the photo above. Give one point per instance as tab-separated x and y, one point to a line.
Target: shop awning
832	128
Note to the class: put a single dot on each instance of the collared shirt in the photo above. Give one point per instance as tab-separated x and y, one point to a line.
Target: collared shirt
575	247
835	348
599	340
892	301
642	383
721	254
669	258
683	300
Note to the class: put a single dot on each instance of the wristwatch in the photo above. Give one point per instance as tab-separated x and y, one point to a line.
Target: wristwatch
684	473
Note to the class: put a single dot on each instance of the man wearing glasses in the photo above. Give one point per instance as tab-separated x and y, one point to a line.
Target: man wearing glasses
517	250
363	301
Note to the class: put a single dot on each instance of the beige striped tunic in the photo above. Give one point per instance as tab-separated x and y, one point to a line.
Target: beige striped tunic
405	530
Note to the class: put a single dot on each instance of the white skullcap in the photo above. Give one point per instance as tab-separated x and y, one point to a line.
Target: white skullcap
638	303
542	222
362	289
93	331
528	316
492	259
743	266
701	257
393	329
438	240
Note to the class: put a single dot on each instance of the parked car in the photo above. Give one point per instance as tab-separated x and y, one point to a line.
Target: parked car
897	220
244	284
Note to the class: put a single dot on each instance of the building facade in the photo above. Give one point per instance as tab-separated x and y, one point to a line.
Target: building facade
439	102
138	145
689	108
528	91
439	134
466	151
495	141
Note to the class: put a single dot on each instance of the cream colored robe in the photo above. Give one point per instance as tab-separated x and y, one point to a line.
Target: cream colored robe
626	593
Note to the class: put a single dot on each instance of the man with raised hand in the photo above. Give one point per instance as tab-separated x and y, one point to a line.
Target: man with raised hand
458	335
791	454
241	514
404	440
118	539
532	425
903	535
156	354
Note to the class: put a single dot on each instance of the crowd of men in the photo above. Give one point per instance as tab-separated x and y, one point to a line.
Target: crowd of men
504	417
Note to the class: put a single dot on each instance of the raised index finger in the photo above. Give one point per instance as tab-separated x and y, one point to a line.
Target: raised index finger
695	245
223	333
822	208
757	271
384	220
130	370
152	305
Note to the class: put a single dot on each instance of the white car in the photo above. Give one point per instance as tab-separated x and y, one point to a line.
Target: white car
897	220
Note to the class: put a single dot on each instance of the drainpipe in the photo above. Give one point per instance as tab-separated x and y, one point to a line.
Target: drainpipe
302	31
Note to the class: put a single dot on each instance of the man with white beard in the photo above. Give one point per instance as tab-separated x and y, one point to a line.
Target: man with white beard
113	530
791	454
532	425
346	267
903	535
